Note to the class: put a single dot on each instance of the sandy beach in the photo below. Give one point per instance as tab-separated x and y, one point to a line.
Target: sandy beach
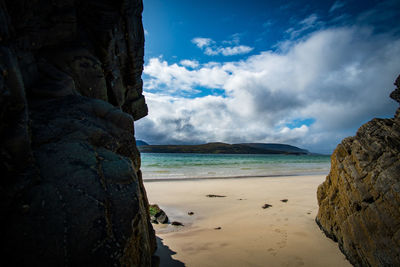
235	230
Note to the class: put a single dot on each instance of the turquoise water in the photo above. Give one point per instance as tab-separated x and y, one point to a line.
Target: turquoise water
181	166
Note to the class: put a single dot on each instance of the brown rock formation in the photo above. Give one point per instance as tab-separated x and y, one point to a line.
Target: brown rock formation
71	187
360	199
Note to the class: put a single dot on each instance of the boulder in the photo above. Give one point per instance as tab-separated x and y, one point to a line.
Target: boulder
360	198
157	215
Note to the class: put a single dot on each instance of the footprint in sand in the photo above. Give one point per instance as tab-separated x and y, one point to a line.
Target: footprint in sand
299	261
294	261
282	243
272	251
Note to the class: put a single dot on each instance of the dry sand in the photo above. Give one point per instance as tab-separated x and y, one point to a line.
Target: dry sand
282	235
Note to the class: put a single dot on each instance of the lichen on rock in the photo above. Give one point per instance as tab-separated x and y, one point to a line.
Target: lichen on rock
360	199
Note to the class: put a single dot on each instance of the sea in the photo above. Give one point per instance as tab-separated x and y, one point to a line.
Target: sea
175	166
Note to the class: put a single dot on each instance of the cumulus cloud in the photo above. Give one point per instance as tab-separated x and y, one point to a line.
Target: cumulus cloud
211	49
201	42
189	63
174	78
336	78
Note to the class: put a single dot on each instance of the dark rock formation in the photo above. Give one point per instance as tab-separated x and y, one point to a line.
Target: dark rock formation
157	215
360	199
176	223
71	88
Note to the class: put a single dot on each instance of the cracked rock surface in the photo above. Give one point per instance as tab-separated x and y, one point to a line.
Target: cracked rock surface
70	82
360	199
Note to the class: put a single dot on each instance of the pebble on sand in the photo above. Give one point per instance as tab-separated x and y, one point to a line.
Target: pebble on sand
211	195
177	223
266	206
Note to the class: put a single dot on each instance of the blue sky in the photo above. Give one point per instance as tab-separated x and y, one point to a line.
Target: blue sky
307	73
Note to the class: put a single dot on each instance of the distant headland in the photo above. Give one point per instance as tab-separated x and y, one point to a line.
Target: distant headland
223	148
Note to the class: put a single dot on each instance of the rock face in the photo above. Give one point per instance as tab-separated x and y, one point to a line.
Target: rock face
70	82
360	199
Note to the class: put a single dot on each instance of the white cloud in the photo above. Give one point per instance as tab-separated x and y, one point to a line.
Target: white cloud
228	51
210	49
340	77
174	78
235	39
189	63
337	5
201	42
309	23
310	20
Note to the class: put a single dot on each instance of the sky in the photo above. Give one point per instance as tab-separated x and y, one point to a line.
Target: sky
305	73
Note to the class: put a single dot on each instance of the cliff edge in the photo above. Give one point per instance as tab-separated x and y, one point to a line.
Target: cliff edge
360	199
70	82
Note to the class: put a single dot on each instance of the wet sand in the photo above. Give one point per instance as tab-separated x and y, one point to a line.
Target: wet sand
282	235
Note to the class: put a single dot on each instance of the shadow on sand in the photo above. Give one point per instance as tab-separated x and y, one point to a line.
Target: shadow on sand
165	253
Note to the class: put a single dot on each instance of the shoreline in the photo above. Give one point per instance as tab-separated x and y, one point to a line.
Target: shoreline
151	180
236	230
